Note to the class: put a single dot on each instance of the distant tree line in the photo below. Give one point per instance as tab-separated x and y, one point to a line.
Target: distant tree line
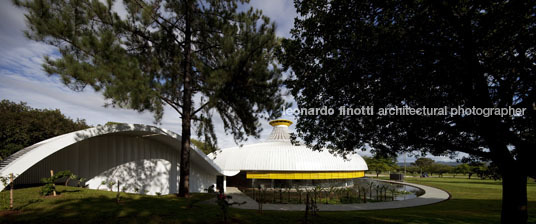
380	164
482	170
23	126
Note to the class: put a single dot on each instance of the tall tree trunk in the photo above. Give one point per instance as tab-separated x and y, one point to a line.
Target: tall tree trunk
514	198
186	107
514	178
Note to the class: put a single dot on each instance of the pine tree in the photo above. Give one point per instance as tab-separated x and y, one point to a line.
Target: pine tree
198	57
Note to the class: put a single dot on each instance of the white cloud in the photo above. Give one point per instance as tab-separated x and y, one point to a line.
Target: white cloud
120	8
87	105
282	12
11	26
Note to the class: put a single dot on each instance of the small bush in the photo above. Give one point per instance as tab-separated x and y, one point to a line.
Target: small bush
49	187
111	185
82	182
63	174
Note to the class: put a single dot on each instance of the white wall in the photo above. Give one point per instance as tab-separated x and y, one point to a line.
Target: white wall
134	161
200	180
146	176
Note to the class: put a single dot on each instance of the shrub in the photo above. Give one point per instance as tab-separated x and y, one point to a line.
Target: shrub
49	187
64	174
81	182
111	185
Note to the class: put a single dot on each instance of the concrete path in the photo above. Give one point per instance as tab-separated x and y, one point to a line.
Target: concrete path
432	195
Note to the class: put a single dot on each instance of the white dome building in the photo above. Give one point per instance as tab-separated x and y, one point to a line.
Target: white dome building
276	162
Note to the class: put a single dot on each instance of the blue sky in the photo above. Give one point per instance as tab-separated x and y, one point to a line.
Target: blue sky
22	77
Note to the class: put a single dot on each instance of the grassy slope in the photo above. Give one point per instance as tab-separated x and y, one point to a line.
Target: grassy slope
473	201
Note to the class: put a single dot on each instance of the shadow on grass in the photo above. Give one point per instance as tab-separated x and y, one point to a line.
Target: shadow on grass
105	209
449	212
91	206
169	209
69	190
30	202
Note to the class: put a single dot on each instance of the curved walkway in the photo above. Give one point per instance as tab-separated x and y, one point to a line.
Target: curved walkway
432	195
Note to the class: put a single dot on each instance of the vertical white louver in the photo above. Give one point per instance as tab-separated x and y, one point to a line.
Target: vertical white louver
279	133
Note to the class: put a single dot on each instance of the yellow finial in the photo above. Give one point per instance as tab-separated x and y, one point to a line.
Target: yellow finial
280	122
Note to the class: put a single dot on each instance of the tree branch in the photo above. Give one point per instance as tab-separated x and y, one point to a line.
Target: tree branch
175	106
201	107
170	24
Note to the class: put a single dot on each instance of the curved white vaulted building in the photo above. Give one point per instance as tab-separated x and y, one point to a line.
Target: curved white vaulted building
276	162
141	158
145	159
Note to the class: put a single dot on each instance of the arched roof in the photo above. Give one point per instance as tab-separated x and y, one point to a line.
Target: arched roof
21	161
277	153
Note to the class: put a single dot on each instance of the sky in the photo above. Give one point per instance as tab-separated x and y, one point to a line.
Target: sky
23	79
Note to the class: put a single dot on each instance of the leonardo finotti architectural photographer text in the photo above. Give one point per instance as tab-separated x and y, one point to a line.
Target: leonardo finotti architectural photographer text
407	111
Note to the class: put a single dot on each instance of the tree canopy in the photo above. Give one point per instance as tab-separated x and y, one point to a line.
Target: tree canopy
201	58
432	53
424	163
440	169
23	126
380	164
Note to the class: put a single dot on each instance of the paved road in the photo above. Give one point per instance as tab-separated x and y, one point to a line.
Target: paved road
431	196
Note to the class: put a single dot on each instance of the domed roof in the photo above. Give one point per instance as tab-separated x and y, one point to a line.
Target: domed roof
277	153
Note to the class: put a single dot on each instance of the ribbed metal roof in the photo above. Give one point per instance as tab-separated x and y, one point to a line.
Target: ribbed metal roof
21	161
277	153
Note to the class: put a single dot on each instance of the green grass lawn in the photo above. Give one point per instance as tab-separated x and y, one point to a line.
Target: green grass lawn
473	201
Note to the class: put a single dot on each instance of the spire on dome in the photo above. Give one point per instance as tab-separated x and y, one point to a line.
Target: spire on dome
278	122
280	131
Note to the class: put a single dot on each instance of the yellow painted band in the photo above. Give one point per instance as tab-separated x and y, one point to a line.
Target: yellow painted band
305	175
280	122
